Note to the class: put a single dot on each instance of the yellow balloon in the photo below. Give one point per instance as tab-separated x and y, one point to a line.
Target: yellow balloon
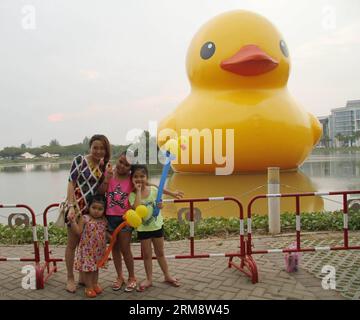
133	219
125	214
142	211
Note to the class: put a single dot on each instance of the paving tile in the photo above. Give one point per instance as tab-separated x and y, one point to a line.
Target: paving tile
203	279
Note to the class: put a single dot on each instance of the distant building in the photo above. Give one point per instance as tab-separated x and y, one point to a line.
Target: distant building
342	127
325	140
49	155
27	155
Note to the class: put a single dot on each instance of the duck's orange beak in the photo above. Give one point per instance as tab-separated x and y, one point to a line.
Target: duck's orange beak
249	61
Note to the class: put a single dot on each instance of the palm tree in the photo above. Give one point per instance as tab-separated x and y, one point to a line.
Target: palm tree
340	138
325	141
356	137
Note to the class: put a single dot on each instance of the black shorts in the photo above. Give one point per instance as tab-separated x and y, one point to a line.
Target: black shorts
143	235
114	222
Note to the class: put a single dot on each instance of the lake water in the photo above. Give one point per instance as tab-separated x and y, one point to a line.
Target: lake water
39	185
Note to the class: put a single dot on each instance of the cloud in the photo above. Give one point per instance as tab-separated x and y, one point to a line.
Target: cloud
339	42
89	74
157	102
152	106
56	117
87	113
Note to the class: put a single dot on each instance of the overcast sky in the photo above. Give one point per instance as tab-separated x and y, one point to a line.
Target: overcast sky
83	67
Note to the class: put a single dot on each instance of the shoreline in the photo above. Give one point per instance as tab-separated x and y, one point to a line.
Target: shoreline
6	164
16	163
62	160
42	162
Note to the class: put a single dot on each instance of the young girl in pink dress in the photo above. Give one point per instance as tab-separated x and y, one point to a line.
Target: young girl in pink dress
92	231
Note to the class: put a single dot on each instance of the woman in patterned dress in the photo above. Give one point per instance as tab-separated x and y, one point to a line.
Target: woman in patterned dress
86	176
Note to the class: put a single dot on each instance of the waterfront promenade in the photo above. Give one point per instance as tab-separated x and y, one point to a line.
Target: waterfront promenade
210	278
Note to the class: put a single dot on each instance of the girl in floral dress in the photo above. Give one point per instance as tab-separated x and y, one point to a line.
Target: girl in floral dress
92	231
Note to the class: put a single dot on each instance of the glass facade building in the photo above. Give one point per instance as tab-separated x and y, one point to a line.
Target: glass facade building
344	122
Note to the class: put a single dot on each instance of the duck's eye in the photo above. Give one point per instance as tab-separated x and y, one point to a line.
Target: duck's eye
284	48
207	50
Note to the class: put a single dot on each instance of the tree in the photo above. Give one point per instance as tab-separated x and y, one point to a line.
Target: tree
357	136
54	143
325	140
86	141
340	138
351	139
347	141
23	146
11	152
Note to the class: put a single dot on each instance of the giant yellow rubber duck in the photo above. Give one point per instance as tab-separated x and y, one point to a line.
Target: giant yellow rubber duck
238	66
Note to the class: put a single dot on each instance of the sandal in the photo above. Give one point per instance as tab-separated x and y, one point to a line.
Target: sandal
90	293
175	282
131	285
71	287
118	283
142	287
98	289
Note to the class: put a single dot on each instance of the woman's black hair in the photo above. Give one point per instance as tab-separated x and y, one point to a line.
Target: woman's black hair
142	167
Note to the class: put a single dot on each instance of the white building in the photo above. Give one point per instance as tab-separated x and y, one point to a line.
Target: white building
49	155
343	123
27	155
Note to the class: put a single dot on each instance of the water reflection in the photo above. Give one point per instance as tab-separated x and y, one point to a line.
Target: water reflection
33	167
243	187
42	184
334	166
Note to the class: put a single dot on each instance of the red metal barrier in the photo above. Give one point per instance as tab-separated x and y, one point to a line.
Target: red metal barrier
298	248
50	263
36	258
246	262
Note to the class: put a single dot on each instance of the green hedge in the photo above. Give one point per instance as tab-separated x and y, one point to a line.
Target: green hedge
207	227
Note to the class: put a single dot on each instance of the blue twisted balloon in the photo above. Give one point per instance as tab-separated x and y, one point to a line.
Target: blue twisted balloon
164	174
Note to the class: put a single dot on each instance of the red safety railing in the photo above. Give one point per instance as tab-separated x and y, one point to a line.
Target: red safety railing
246	262
50	263
36	252
299	248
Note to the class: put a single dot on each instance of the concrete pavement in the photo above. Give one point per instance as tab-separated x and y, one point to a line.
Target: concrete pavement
202	279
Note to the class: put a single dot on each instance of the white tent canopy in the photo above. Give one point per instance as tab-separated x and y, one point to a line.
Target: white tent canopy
28	155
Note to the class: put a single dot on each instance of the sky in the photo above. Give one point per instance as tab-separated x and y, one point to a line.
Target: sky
70	69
